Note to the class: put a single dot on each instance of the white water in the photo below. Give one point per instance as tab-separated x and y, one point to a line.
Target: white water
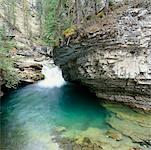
53	77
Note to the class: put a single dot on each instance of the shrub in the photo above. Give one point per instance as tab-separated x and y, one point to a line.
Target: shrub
6	62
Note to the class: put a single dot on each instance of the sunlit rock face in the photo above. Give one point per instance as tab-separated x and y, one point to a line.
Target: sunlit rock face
114	61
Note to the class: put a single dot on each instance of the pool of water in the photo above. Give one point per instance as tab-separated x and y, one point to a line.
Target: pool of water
29	114
32	115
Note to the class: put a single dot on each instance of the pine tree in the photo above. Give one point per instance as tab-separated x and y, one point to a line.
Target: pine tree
56	20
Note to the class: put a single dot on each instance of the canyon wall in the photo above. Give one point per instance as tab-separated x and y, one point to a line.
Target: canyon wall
114	58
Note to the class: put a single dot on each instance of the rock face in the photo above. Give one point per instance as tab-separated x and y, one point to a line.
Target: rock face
114	61
29	72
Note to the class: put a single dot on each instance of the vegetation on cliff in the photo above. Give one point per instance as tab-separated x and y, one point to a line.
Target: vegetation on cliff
7	70
55	20
58	21
60	16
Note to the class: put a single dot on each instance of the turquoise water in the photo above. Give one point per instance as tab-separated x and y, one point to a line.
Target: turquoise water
29	115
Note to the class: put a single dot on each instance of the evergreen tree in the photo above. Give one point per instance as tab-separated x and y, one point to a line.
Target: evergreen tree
56	19
6	62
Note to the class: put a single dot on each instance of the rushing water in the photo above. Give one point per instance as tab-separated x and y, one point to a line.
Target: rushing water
29	114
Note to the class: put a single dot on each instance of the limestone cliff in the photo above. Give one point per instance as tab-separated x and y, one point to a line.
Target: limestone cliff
114	58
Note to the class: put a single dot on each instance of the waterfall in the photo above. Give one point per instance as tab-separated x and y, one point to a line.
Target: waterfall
53	77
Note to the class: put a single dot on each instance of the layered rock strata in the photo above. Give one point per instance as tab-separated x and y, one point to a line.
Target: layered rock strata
114	60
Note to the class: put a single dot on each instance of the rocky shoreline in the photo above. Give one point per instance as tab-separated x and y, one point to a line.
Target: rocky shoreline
28	67
128	129
113	59
22	36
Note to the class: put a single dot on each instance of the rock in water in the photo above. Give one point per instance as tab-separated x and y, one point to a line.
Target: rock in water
114	135
115	61
86	140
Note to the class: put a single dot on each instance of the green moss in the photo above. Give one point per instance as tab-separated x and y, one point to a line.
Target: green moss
69	32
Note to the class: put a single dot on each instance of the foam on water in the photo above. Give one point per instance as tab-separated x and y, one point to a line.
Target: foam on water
53	77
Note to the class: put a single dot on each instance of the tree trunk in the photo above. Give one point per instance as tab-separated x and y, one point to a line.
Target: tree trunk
77	12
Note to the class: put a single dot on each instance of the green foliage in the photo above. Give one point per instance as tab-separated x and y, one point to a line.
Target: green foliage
9	7
5	43
111	2
7	63
7	67
56	20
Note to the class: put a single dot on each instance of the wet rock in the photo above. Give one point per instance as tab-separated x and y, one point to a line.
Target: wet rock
72	143
125	132
86	140
114	135
58	130
77	147
97	147
133	124
146	143
86	148
136	148
68	146
63	141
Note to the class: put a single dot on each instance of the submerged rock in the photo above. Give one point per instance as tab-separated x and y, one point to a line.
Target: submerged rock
58	130
86	140
77	147
123	133
114	135
115	61
72	144
1	83
135	125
